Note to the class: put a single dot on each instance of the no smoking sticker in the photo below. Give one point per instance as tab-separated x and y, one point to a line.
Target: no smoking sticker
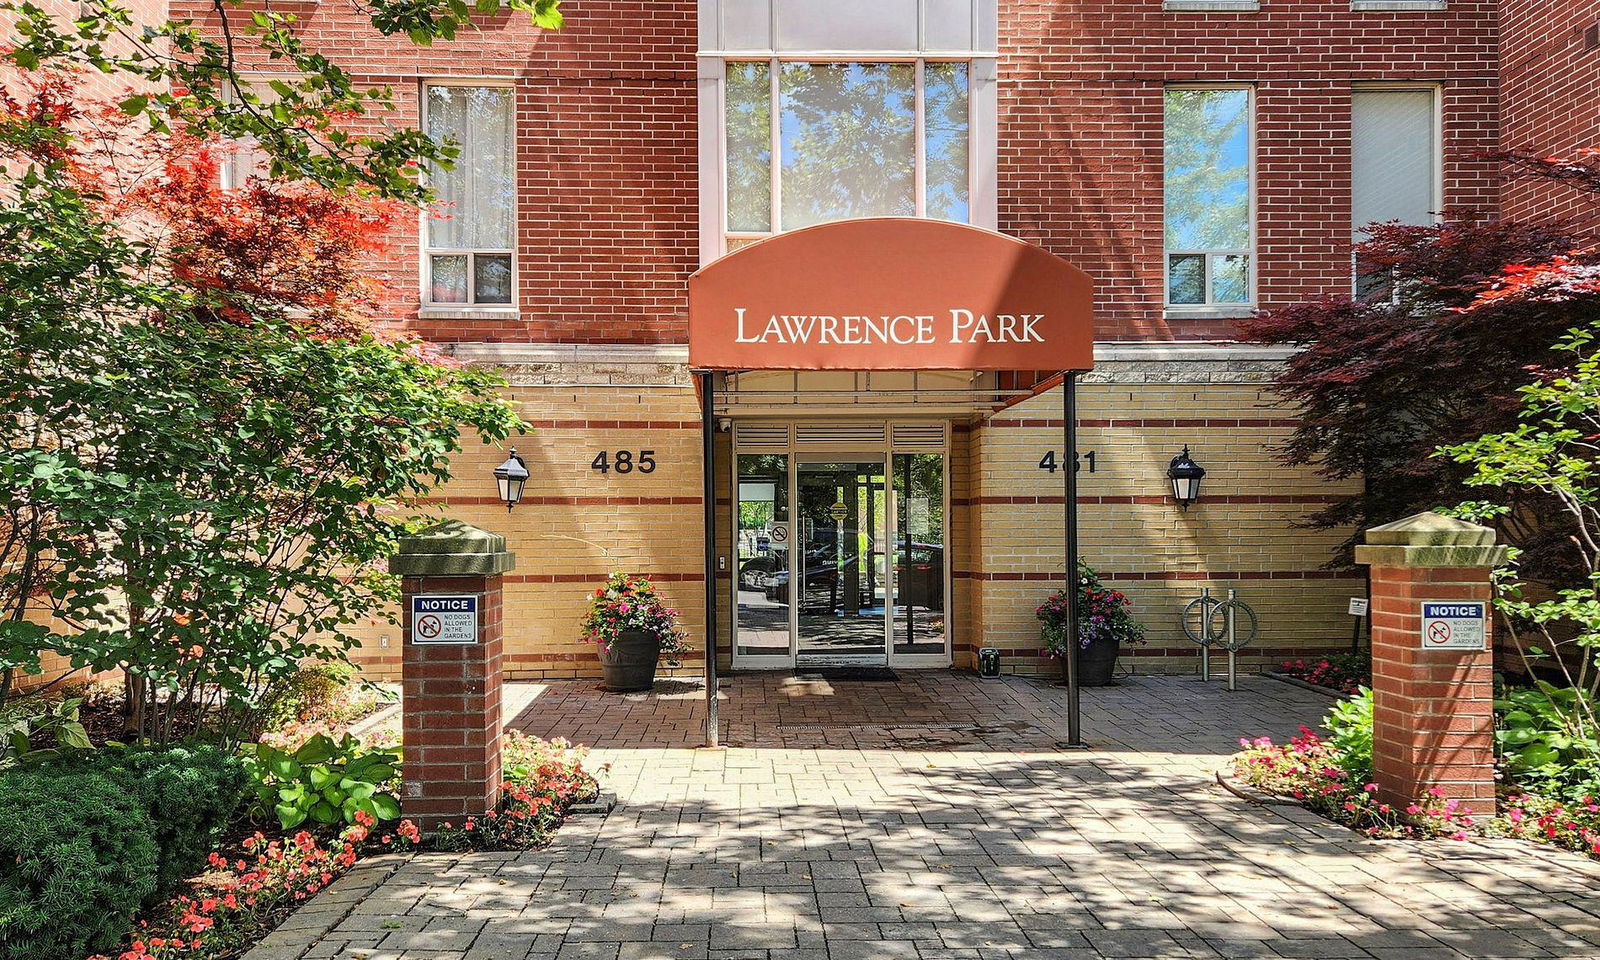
444	619
1454	626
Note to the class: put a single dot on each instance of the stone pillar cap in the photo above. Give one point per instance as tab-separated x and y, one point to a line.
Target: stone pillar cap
1432	530
1430	540
452	549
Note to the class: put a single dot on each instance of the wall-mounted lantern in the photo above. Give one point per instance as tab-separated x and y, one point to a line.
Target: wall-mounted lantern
1185	475
512	476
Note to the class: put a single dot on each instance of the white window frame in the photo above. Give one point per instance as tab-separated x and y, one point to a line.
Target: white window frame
242	145
775	147
871	452
424	235
1211	308
1436	203
752	30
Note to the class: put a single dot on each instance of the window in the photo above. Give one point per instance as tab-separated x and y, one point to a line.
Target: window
469	235
1393	157
1209	222
244	157
1394	169
809	142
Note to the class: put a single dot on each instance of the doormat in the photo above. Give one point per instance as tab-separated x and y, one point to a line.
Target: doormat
848	673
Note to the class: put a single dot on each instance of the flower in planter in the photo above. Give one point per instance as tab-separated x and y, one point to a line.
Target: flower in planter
631	603
1104	614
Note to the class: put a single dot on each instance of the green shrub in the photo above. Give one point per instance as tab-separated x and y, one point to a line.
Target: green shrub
327	691
79	858
1547	741
189	794
1349	726
325	781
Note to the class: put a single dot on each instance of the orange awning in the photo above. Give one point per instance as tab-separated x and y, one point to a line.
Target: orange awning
893	293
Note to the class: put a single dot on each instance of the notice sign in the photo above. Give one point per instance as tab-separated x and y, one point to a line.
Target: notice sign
1454	625
444	619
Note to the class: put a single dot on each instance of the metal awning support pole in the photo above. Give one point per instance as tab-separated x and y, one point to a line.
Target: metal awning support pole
708	459
1069	430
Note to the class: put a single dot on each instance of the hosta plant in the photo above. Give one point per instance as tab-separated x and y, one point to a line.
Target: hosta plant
324	781
1546	740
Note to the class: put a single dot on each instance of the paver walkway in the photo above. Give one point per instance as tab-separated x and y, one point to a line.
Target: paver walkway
937	818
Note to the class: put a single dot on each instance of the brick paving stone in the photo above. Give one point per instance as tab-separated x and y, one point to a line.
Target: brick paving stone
937	818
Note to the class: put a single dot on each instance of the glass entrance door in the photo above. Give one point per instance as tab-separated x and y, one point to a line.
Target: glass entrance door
840	574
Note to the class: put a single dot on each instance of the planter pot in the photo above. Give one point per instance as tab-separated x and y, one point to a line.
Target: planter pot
1096	662
630	664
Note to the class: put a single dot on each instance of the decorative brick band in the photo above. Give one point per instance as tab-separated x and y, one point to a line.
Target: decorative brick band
1145	422
615	424
1159	575
695	656
567	501
591	578
1149	499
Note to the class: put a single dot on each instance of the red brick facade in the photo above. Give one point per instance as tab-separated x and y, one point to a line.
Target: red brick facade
1550	95
607	149
1081	132
452	710
609	159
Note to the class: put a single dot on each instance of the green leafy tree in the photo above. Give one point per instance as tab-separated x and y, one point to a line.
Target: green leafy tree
210	447
1551	453
185	76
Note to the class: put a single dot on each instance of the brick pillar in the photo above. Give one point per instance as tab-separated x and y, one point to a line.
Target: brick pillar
1433	713
451	671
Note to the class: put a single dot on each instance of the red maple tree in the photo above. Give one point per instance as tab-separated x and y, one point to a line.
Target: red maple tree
1466	312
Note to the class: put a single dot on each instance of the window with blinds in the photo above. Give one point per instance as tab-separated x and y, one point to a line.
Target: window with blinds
1394	148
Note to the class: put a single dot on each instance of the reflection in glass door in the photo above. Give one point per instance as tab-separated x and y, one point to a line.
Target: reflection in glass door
919	556
840	569
762	573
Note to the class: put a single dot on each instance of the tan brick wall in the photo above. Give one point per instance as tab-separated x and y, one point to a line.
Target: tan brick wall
1006	518
575	523
1242	534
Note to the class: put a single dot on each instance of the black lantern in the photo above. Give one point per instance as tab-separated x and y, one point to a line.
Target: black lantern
1185	475
511	476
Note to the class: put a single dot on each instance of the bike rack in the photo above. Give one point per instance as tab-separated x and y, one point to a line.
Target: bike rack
1218	622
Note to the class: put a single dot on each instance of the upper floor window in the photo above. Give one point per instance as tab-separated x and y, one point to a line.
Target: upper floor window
1394	156
469	237
1394	164
1209	221
244	157
808	142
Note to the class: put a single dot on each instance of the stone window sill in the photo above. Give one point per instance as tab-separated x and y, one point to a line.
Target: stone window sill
1375	6
1229	312
1211	6
442	312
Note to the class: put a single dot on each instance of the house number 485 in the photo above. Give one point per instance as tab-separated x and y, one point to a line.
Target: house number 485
624	461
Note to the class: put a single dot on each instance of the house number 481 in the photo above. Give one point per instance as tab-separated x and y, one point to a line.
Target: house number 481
624	461
1048	461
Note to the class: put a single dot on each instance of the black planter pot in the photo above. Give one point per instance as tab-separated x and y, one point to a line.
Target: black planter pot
630	664
1096	663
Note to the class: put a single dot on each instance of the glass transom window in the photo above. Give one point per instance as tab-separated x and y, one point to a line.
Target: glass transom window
1207	187
809	142
469	235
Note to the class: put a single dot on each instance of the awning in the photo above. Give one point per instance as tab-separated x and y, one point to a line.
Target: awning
888	294
893	293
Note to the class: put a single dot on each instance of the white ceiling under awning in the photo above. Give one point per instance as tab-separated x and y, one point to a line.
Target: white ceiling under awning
956	394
